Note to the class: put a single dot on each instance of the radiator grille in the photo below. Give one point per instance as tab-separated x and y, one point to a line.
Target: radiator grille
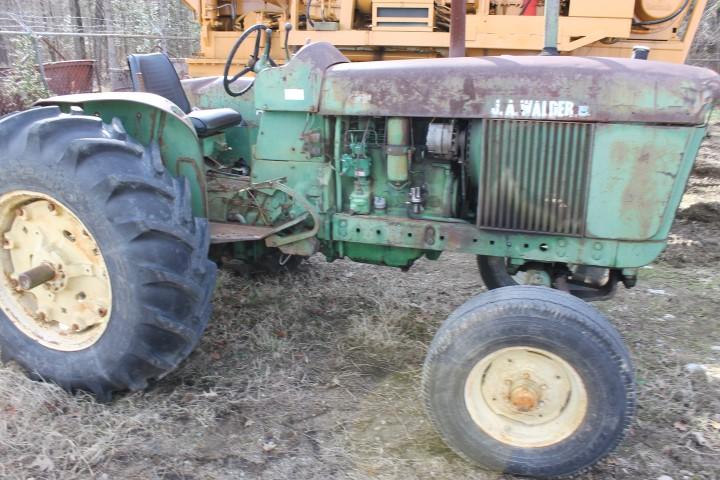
534	176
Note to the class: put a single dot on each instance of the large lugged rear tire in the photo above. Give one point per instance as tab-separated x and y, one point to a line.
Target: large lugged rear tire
130	293
529	381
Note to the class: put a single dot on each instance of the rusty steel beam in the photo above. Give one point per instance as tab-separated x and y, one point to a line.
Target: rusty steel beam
457	29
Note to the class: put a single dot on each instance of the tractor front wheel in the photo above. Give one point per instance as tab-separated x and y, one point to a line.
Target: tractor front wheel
105	282
529	381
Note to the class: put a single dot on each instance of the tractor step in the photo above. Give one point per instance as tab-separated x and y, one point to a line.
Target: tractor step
235	232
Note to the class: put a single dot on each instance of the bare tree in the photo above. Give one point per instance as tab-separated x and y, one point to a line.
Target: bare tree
80	50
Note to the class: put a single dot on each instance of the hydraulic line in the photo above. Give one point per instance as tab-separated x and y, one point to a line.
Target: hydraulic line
662	20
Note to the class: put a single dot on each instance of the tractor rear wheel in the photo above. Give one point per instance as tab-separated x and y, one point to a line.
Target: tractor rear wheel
105	282
529	381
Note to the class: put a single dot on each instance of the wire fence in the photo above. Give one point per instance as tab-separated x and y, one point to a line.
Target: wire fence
43	54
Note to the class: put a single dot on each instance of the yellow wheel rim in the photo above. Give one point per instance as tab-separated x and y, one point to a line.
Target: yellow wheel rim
526	397
54	285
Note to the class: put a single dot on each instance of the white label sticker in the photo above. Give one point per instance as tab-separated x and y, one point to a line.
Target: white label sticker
294	94
360	97
540	109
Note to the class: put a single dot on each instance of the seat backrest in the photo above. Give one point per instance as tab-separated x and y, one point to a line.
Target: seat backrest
155	73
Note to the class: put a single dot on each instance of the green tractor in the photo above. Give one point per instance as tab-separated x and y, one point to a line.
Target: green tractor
561	175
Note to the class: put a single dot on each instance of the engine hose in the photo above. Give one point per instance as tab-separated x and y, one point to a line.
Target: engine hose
307	13
662	20
525	7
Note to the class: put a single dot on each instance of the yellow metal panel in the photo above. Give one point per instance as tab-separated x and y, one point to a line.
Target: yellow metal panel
605	9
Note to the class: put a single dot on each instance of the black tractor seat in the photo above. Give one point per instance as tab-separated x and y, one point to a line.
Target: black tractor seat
213	121
155	73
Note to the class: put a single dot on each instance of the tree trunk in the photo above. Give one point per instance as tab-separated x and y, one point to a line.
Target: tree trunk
113	65
3	52
76	12
98	43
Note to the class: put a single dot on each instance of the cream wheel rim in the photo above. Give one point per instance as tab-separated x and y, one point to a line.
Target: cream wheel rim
526	397
54	285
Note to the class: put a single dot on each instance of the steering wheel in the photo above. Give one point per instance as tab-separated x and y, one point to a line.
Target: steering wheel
254	64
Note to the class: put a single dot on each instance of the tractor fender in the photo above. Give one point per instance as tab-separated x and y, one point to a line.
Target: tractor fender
155	122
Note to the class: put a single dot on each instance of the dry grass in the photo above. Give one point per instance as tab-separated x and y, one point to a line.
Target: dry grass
316	375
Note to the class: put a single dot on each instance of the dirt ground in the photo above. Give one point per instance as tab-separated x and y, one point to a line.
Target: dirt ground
316	376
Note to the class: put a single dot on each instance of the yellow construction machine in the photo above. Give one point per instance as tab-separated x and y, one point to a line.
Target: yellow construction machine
396	29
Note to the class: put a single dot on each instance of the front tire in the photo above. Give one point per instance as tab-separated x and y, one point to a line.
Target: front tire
130	228
529	381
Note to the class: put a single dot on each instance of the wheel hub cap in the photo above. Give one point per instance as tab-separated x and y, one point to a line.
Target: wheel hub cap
55	285
526	397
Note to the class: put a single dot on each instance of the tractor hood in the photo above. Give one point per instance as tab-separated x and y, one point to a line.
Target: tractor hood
590	89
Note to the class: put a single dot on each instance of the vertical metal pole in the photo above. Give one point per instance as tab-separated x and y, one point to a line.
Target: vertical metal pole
552	19
36	48
457	28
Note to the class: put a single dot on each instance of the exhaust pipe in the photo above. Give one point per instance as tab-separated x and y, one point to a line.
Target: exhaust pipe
552	19
640	52
457	28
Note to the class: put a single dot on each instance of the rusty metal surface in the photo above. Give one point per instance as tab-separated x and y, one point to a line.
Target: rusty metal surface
235	232
593	89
